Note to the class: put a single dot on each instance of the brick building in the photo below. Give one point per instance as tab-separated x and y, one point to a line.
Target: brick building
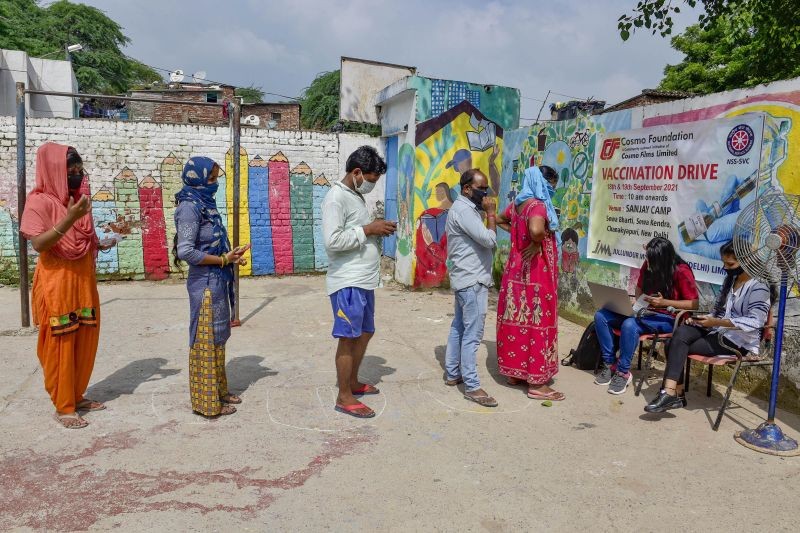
182	114
648	97
283	116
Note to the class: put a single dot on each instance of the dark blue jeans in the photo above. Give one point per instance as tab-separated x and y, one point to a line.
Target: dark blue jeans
630	328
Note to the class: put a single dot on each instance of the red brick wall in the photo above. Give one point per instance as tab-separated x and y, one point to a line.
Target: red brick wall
290	114
182	114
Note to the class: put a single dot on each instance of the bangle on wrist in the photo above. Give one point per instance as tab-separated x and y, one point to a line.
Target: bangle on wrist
56	230
224	260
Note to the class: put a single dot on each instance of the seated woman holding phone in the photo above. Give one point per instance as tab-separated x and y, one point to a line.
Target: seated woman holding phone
740	313
666	281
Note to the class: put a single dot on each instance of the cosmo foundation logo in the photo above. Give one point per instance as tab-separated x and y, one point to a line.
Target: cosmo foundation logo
610	147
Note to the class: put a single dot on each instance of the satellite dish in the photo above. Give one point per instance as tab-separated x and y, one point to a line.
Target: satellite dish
199	75
252	120
176	76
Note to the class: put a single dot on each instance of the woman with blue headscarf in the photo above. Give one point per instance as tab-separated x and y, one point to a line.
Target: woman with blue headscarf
527	310
202	241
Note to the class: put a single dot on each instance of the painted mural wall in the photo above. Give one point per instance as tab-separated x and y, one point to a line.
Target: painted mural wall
435	129
135	171
435	96
569	147
428	183
428	169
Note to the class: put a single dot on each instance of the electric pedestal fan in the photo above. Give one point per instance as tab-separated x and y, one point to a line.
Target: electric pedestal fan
767	244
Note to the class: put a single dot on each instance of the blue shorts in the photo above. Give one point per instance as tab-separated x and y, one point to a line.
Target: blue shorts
353	312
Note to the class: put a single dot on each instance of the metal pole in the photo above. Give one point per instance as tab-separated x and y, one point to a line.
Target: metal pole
776	363
25	307
237	132
539	114
124	98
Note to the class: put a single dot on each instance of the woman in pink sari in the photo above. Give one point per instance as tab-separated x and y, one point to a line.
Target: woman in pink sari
527	310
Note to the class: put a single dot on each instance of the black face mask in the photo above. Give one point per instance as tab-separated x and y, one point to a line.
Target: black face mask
734	271
477	197
74	181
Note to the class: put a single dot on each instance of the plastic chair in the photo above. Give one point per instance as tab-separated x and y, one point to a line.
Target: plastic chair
735	358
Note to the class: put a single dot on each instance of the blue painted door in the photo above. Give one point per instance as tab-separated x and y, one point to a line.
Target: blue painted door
390	204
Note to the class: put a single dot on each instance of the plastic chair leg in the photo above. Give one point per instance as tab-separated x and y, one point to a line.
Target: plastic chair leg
710	379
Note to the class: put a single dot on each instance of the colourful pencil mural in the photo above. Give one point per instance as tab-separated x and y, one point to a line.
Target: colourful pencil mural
244	209
279	215
302	216
128	223
104	213
321	188
154	231
260	223
279	212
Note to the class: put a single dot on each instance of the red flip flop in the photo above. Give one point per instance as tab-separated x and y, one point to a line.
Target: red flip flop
366	389
350	410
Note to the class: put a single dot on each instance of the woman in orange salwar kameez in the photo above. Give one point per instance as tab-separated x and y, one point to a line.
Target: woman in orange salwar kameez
527	308
66	307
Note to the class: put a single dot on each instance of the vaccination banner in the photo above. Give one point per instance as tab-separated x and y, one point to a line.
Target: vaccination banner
684	182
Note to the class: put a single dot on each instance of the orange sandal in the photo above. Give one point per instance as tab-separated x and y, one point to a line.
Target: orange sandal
366	389
351	410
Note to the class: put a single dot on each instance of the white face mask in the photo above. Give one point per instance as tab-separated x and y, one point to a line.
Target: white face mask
366	186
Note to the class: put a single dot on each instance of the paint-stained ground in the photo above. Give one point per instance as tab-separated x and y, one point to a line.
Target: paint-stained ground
431	461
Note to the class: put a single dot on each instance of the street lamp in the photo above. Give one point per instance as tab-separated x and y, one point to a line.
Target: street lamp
72	48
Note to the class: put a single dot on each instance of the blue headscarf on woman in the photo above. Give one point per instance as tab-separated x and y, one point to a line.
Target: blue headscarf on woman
535	186
200	193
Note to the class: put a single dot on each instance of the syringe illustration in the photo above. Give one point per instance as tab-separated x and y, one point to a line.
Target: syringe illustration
696	225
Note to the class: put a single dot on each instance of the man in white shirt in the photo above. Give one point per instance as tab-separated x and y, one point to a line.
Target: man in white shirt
352	243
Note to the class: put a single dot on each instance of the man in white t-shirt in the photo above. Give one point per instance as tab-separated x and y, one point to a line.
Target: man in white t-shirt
352	241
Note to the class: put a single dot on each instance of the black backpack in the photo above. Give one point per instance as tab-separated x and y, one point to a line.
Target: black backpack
587	355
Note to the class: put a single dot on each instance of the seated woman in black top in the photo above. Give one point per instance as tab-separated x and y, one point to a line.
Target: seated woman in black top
740	313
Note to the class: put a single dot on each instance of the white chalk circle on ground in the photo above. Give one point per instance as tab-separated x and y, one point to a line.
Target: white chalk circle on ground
305	402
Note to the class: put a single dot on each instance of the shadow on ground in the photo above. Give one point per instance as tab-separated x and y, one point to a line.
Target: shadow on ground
375	368
245	371
128	378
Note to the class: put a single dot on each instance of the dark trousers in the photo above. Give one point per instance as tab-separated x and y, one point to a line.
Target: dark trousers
686	340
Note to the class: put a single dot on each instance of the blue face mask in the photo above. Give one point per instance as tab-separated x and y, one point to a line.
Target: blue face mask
550	190
212	188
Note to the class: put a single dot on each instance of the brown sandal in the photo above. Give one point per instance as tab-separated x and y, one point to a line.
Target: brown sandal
553	395
483	400
231	398
67	420
89	405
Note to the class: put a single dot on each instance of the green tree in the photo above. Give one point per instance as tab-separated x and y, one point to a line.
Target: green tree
320	102
717	58
101	67
320	107
251	94
736	43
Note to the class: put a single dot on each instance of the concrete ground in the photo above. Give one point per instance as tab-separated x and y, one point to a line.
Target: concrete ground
431	461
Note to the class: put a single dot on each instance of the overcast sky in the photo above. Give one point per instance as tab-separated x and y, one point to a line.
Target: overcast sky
568	46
